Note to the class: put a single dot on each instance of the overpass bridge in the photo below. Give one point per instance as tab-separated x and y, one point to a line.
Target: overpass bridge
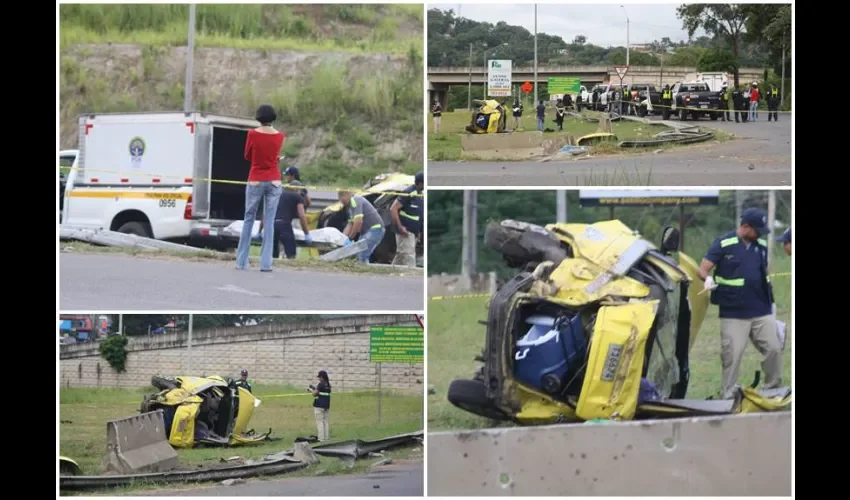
441	78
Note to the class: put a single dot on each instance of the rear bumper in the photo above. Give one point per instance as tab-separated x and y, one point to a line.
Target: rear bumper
209	236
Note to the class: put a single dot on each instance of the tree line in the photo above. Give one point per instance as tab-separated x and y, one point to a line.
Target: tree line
740	35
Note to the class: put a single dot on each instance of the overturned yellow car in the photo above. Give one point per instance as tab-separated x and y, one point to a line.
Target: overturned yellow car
489	117
209	411
598	324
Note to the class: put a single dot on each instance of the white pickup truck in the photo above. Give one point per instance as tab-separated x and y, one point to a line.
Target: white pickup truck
150	174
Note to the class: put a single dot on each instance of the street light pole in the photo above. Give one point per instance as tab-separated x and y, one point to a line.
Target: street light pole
627	34
782	82
469	91
535	54
190	56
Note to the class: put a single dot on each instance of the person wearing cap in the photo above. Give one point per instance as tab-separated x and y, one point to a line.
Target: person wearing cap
290	206
293	174
740	287
363	220
785	239
243	381
724	102
321	404
406	212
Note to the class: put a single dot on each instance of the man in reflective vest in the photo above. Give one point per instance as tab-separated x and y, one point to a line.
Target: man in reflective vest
740	287
724	103
772	103
666	101
321	405
625	105
406	212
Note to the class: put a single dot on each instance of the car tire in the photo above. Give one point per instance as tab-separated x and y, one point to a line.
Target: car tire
714	117
162	383
641	111
471	396
683	115
521	243
142	229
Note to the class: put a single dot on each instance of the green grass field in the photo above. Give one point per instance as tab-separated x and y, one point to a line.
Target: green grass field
455	337
286	410
446	146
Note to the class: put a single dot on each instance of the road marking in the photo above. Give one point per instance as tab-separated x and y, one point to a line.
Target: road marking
236	289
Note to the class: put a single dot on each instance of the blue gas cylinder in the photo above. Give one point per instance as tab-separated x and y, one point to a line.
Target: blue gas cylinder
545	353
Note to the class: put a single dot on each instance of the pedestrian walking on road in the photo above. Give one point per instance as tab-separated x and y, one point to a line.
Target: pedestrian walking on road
773	103
437	114
363	220
322	405
741	289
407	220
262	149
541	115
754	101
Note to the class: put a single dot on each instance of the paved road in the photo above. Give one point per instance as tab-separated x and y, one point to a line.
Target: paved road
120	282
759	156
392	481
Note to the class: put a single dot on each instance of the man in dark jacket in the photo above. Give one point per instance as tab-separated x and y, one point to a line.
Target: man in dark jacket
517	113
321	405
243	381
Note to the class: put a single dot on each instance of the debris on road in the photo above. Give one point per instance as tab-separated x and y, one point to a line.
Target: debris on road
231	482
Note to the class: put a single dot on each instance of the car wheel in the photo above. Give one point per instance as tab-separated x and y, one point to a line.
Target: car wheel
683	115
163	383
142	229
471	396
520	242
714	117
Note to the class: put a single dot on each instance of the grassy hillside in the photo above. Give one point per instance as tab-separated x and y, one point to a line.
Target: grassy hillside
346	79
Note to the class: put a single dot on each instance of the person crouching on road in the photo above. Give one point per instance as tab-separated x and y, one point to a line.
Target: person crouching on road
785	239
243	381
262	149
290	206
363	220
407	220
293	174
321	405
741	289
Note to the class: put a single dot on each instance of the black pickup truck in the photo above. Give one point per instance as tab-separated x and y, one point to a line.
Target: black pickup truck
694	99
643	92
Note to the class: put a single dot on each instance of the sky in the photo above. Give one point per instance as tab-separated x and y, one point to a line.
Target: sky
602	24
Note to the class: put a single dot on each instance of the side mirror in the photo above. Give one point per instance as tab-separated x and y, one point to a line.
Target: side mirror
670	240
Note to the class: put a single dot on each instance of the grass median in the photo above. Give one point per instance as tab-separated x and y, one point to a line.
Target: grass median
455	337
350	265
446	146
286	410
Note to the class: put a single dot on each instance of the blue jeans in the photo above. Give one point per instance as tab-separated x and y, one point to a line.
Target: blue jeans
754	110
373	237
540	124
269	194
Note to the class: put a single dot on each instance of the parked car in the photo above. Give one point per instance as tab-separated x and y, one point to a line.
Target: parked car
646	97
694	100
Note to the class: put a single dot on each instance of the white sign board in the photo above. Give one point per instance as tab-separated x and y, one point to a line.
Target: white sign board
499	73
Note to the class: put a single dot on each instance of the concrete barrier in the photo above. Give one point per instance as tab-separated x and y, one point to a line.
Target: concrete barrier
741	455
138	444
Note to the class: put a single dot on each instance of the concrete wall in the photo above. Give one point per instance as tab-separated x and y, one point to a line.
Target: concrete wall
456	284
277	354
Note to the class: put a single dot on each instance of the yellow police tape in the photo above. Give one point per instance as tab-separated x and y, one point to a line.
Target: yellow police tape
265	396
486	295
241	183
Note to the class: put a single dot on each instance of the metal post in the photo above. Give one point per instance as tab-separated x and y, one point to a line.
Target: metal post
771	221
627	33
681	228
535	57
561	203
120	324
782	82
190	61
661	75
473	231
380	394
189	347
740	196
469	91
465	244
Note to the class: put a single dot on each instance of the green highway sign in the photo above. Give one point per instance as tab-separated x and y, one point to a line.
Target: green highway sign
563	85
396	344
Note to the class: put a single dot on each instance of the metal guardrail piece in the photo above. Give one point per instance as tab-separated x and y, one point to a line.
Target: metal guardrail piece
280	465
138	444
741	455
344	252
356	448
116	239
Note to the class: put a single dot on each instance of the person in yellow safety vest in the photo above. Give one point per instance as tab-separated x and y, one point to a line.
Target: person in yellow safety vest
666	101
772	103
626	104
406	212
724	103
741	289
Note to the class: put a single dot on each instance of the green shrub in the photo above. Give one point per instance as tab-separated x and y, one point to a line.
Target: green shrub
114	351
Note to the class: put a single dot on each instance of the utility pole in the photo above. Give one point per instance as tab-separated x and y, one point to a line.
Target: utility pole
190	61
120	324
535	55
469	91
771	222
561	205
470	233
627	33
739	205
782	82
188	365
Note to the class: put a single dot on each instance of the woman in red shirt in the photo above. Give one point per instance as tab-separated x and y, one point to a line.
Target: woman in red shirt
262	149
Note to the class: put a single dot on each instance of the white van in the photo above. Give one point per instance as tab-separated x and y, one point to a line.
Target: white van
151	174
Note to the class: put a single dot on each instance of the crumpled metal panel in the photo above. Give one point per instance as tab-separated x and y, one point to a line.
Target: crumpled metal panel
356	448
741	455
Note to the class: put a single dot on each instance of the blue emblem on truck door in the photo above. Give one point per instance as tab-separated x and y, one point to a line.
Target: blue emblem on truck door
137	150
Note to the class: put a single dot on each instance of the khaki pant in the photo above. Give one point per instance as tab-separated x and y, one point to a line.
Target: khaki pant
322	423
436	124
405	253
734	334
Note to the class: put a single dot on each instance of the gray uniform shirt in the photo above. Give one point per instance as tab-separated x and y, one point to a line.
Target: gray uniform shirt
360	207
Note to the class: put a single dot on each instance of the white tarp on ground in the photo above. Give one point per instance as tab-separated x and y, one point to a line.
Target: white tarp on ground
327	235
